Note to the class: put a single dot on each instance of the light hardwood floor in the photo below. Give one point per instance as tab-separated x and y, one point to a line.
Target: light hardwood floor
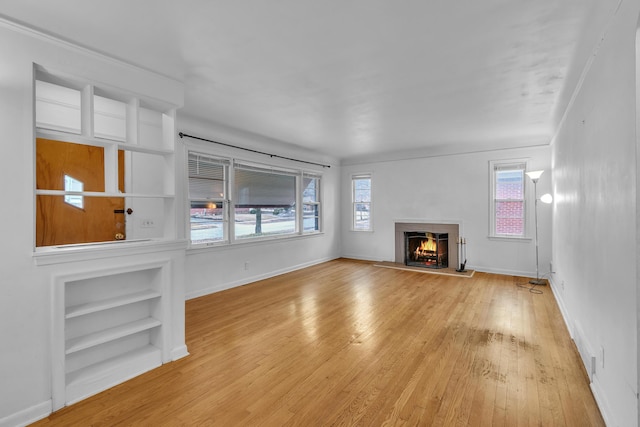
347	343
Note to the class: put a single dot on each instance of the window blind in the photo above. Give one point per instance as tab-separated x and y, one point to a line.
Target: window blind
206	177
257	187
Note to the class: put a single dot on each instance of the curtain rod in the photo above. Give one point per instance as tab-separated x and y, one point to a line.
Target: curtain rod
182	135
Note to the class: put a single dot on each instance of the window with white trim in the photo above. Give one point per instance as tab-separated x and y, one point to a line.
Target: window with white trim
310	202
361	202
208	217
264	201
508	213
232	200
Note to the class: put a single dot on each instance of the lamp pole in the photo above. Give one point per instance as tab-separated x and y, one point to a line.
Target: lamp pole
535	215
535	176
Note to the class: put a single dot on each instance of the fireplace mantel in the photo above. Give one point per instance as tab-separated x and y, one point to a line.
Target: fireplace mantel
453	228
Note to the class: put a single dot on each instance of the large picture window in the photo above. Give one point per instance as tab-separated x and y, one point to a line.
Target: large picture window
264	202
508	214
249	201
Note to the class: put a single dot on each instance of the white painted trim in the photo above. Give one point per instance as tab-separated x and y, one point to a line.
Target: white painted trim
444	150
563	308
361	258
600	397
60	389
585	72
352	202
222	245
503	272
241	282
74	46
72	253
596	389
179	353
27	416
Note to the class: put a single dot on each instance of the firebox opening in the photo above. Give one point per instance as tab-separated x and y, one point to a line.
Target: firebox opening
430	250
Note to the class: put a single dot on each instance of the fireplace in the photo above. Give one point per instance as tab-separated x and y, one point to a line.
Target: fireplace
426	249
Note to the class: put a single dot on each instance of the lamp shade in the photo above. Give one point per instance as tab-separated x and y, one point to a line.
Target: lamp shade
546	198
535	175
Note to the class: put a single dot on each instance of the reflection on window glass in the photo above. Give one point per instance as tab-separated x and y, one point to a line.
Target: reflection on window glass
311	201
207	222
256	221
207	188
72	184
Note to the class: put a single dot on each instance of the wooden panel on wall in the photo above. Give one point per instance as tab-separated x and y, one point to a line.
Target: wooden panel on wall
58	222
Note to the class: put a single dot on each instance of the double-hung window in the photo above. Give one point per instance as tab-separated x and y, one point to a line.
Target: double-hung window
208	198
361	202
310	202
508	213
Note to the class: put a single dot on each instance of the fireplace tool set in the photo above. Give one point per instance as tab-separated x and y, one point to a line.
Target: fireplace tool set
462	254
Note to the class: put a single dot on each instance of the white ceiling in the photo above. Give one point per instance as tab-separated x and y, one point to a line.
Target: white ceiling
352	78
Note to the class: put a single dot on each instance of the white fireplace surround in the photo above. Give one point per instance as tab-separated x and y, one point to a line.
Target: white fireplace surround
452	228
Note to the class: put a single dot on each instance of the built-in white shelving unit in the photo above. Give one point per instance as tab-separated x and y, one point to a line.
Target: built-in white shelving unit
117	304
110	326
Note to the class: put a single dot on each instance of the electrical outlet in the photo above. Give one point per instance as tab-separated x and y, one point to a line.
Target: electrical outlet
562	285
147	223
246	265
602	356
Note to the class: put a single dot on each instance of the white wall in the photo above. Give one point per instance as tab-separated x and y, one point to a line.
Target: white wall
594	220
216	268
25	288
449	188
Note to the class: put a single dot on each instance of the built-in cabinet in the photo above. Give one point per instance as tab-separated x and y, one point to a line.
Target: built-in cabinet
105	162
109	326
127	187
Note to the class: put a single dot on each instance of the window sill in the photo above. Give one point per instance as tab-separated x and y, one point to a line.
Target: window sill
70	253
510	239
203	248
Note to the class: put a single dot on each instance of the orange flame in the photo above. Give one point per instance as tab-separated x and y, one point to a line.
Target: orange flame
427	246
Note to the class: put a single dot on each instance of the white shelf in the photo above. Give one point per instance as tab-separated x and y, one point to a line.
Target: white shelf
81	343
101	194
92	307
100	376
75	138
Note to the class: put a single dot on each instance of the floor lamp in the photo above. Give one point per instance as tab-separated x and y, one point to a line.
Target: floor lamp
535	176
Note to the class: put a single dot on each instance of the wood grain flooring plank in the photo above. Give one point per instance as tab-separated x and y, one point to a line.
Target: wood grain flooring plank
346	343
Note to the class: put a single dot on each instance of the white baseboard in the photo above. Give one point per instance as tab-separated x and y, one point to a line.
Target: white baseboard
28	416
601	401
500	271
361	258
561	306
247	280
468	266
179	353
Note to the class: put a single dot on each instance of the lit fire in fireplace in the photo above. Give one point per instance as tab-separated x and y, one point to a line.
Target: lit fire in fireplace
427	247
